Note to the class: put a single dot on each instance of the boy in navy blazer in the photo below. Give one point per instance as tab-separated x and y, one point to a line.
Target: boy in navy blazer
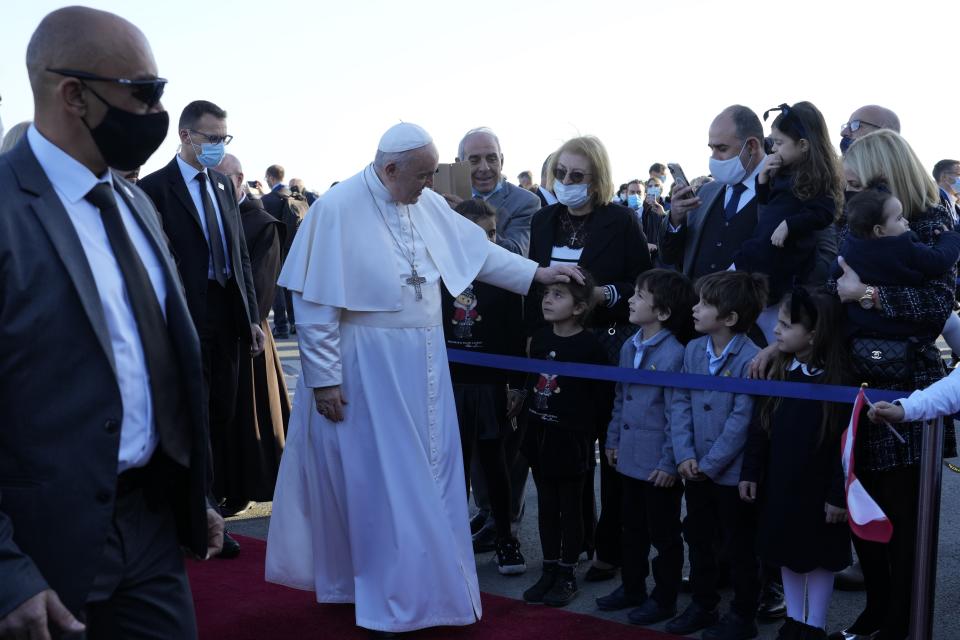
709	431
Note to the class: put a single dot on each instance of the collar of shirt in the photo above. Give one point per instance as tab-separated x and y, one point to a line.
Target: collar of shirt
377	187
641	345
278	186
750	192
188	172
951	200
807	370
66	174
486	196
551	199
716	361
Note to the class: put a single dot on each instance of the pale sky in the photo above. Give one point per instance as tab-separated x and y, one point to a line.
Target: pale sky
312	86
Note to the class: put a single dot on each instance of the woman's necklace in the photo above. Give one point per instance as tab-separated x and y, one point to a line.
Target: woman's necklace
575	233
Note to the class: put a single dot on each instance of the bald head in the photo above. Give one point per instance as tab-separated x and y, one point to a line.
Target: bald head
84	39
230	167
872	117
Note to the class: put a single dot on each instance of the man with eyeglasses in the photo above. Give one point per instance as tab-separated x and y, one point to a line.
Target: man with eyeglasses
947	175
199	213
103	446
864	120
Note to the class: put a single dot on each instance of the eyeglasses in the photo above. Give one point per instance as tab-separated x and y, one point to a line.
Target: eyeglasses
148	91
213	139
576	177
855	125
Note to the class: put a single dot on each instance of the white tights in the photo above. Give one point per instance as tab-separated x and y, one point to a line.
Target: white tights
818	585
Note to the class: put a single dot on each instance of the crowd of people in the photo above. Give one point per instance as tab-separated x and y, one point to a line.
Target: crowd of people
790	261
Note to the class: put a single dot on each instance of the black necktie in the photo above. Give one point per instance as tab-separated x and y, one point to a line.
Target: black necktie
157	347
731	209
213	232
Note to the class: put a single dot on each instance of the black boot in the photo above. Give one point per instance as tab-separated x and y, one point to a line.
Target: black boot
534	595
789	630
564	588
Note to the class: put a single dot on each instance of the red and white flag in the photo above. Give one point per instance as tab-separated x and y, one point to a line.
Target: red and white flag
867	519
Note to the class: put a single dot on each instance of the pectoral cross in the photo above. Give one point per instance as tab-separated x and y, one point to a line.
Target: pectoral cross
416	280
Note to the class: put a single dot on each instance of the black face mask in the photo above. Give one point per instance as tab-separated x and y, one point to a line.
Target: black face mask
127	140
845	144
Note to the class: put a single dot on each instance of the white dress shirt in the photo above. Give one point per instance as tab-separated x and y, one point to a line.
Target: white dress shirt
750	182
193	188
72	181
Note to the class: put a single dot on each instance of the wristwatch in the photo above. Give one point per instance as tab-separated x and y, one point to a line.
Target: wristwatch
869	298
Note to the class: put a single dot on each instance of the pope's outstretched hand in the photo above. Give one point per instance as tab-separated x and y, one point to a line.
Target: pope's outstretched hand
558	273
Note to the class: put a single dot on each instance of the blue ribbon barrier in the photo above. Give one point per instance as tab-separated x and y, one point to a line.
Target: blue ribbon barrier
728	384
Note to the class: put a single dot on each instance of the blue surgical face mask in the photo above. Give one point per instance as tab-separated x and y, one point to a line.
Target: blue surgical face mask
209	154
572	195
634	201
956	184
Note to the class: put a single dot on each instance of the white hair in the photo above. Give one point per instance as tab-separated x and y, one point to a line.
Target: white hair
484	130
383	158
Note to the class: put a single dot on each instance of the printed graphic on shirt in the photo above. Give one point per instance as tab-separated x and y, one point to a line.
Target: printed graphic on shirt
546	387
465	314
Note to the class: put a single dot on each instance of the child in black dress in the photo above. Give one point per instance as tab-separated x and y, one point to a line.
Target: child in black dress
562	422
793	454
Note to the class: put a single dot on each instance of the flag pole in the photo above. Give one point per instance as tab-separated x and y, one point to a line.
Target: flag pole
928	529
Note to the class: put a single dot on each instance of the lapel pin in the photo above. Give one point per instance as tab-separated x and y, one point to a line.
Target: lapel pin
653	367
727	374
220	184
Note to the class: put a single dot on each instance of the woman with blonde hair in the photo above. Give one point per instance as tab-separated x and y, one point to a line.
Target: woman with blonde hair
888	458
586	229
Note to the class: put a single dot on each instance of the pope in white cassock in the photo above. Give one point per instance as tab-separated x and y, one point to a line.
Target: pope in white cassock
369	505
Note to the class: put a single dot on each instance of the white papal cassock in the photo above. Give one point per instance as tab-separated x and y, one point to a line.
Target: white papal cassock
372	510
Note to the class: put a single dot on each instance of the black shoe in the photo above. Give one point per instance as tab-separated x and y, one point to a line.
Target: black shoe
281	335
564	589
619	600
231	548
651	612
510	561
293	330
232	507
846	634
693	618
595	574
772	605
789	630
485	539
850	579
809	632
534	595
477	521
732	627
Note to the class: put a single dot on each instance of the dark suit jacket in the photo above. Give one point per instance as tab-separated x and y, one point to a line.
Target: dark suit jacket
681	248
273	201
181	222
265	240
60	404
615	253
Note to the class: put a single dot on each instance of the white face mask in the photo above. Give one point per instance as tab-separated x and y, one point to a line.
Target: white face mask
572	195
956	184
730	171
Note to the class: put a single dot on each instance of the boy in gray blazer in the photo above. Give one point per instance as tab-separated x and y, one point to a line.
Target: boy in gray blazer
709	432
639	446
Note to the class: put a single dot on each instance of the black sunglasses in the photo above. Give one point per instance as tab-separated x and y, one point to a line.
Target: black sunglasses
576	177
148	91
212	138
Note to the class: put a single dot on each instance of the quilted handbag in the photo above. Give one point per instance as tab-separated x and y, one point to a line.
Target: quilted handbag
883	360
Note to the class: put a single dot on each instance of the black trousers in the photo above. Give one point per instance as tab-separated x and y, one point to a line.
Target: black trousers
283	319
559	502
141	588
220	350
651	516
474	413
607	536
888	568
713	510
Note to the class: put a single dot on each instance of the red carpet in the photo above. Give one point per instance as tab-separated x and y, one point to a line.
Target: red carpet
233	601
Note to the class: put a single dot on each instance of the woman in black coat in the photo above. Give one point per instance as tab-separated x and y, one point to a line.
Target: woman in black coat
605	239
